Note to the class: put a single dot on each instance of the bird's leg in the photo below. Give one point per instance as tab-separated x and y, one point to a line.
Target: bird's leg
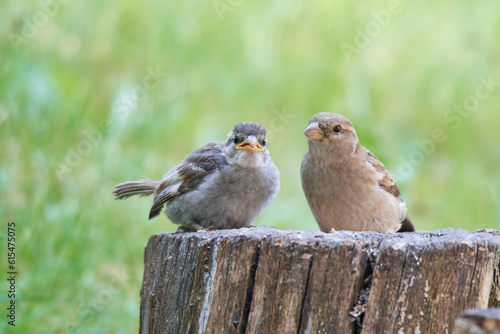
192	227
184	229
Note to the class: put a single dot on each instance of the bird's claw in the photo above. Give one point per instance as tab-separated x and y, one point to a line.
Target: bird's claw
183	229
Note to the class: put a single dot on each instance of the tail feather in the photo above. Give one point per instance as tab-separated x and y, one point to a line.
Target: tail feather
131	188
406	226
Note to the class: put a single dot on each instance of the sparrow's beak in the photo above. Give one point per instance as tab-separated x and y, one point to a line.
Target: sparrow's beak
251	144
314	132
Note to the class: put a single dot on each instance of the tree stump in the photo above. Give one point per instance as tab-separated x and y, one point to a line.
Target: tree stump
478	321
265	280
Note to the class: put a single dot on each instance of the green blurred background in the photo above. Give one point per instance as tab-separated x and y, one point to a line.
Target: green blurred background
93	93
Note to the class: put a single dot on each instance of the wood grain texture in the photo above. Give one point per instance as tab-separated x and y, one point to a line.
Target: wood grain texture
420	284
265	280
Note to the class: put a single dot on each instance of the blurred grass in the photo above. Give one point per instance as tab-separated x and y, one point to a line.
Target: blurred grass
80	253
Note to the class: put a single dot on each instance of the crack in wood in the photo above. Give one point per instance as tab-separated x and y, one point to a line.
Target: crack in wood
357	313
249	294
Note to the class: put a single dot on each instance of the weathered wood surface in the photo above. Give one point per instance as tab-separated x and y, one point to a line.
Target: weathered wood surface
478	321
265	280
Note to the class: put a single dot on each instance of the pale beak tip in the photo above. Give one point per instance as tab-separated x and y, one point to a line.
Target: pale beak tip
314	132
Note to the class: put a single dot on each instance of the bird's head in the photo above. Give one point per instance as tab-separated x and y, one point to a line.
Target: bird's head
247	145
331	133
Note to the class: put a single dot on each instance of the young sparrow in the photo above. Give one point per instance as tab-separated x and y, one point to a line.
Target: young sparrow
220	185
347	188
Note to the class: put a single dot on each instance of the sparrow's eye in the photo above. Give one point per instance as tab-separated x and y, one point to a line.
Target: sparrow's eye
236	139
337	129
264	142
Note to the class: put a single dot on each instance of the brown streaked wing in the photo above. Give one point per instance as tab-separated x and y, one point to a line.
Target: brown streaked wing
189	173
387	182
204	161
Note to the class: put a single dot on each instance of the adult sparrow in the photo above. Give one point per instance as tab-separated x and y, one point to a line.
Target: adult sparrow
222	185
346	186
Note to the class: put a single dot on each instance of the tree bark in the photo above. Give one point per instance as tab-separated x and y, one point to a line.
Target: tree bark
265	280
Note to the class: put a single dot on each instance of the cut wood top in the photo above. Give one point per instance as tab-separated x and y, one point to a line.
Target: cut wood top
265	280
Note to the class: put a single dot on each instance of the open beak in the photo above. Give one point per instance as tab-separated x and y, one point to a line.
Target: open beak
314	132
251	144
